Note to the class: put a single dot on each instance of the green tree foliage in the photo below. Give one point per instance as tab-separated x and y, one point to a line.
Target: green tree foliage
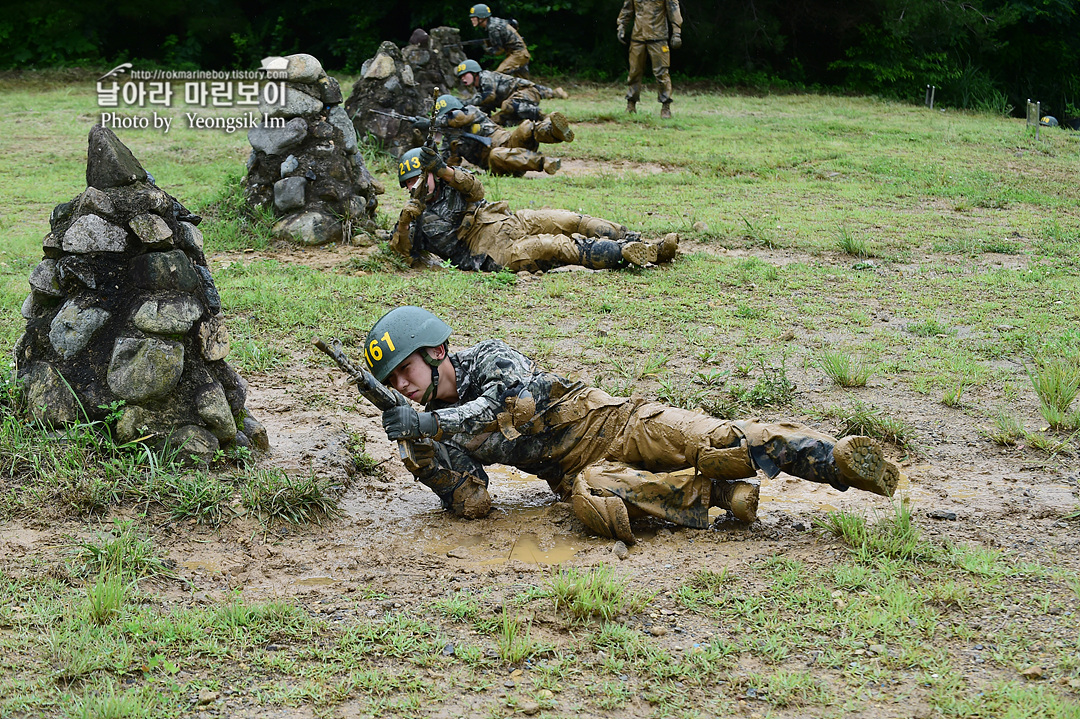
979	53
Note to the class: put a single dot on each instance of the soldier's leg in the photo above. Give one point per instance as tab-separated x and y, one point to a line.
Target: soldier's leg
513	63
459	480
513	161
548	93
638	51
522	136
555	128
536	222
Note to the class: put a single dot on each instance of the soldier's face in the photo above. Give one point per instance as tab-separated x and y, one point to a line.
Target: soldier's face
475	21
413	376
468	79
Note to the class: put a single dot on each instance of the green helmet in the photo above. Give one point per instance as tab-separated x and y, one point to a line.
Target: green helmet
398	334
446	103
409	166
468	66
480	11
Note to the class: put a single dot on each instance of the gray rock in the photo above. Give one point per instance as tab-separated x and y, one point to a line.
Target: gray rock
49	397
255	431
74	326
144	368
276	141
242	440
194	444
252	157
45	279
330	91
95	202
303	68
290	166
214	409
340	119
61	214
235	388
77	270
168	315
392	85
164	271
209	290
109	163
134	423
189	237
309	228
407	76
214	338
52	245
289	193
295	104
152	230
91	233
31	309
382	66
620	550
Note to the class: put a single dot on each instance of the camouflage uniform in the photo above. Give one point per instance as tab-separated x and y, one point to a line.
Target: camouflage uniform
595	450
514	98
506	152
459	225
504	38
653	21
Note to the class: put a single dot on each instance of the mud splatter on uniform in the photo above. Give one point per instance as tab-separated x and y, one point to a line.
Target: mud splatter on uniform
515	98
506	152
504	38
652	21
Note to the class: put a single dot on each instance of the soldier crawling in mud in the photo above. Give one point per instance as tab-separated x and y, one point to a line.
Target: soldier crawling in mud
615	459
505	98
471	135
503	39
452	220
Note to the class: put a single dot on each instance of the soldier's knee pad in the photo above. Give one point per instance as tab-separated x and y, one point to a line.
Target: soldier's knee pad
607	516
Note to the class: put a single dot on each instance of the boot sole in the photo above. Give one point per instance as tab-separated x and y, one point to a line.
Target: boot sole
561	126
552	165
639	253
863	466
744	502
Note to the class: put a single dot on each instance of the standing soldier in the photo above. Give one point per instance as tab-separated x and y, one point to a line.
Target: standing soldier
506	98
503	39
652	21
470	134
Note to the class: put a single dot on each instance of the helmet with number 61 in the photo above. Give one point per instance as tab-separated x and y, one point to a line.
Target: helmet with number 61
398	334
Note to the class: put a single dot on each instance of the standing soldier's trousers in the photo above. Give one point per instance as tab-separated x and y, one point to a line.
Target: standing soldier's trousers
660	57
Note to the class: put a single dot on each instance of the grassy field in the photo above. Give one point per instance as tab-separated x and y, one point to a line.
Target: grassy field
862	265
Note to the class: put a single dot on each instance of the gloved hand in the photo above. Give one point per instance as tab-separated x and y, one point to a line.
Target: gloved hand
406	423
431	160
676	40
422	124
621	34
410	212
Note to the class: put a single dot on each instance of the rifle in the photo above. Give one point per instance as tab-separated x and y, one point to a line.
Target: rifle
373	391
407	118
421	187
466	43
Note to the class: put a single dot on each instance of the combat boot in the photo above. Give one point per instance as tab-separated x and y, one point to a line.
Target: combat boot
862	465
556	128
638	253
551	165
667	248
739	498
599	254
665	111
631	106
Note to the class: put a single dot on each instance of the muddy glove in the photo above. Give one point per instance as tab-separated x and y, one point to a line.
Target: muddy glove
410	212
676	40
431	160
422	124
621	34
406	423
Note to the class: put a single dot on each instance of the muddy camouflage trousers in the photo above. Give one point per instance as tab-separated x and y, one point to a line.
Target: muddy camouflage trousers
513	152
660	57
633	459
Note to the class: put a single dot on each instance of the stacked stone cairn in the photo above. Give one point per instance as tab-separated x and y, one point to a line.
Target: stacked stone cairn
401	82
310	171
123	316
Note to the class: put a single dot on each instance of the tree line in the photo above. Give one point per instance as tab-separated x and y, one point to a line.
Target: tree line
980	54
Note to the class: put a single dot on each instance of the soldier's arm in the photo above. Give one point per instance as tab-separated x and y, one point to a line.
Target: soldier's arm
464	182
674	15
402	240
626	19
500	372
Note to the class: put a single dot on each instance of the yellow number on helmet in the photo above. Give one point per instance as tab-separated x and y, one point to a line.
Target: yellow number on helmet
375	350
401	168
415	161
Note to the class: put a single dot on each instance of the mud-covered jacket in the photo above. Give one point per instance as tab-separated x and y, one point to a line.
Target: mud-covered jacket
438	228
503	38
508	410
492	88
653	20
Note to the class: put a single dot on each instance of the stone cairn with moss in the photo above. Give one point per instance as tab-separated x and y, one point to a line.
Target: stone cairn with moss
400	81
309	171
123	321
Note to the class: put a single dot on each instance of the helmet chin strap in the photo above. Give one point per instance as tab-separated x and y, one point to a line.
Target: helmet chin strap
433	389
